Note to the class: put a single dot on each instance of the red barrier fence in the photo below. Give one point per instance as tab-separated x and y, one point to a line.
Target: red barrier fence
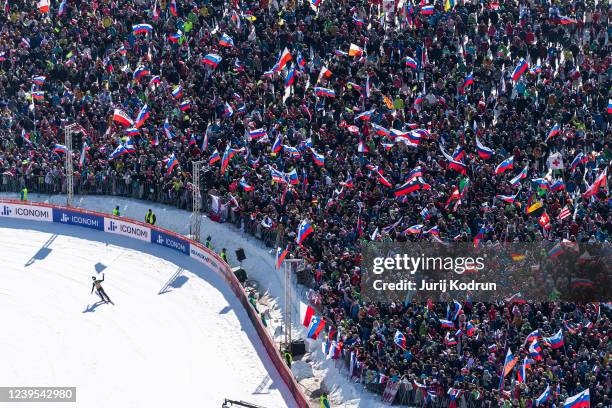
226	273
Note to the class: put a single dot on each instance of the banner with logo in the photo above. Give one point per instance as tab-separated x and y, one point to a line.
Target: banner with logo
208	260
127	229
78	218
170	241
26	212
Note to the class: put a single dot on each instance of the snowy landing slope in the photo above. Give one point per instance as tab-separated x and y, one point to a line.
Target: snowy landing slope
177	336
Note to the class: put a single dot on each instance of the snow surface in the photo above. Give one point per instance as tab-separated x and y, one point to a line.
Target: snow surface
176	337
259	266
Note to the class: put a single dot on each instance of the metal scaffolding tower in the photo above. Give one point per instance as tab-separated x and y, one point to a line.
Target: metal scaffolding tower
291	265
196	215
68	132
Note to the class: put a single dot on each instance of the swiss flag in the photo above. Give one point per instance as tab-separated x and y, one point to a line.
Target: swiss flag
544	220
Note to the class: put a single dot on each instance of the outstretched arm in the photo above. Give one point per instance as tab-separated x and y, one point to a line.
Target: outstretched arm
93	285
102	278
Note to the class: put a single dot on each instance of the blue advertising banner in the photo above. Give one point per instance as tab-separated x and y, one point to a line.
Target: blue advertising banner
77	218
170	241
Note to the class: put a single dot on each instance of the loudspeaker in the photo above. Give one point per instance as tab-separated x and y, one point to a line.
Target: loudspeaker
240	274
240	255
298	348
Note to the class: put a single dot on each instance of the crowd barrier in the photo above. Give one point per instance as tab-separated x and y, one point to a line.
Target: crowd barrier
157	236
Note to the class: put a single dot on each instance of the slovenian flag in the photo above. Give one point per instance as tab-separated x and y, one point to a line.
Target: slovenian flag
229	112
119	151
521	374
215	157
277	146
281	254
246	186
610	106
175	37
380	130
479	237
558	185
227	156
173	9
61	9
580	400
555	341
407	188
365	115
177	92
555	130
132	131
304	230
509	364
38	95
470	329
580	158
300	60
411	63
143	115
427	10
257	134
415	229
505	165
519	70
226	41
290	77
292	151
447	324
121	117
140	72
142	29
129	146
39	80
319	159
212	59
535	350
316	326
155	80
320	91
469	80
168	130
483	151
543	397
58	148
541	183
171	163
566	20
185	105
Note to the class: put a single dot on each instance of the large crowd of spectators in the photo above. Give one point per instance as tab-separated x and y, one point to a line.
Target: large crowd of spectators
346	167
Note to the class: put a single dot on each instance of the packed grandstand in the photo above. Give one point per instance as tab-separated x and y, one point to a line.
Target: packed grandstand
325	124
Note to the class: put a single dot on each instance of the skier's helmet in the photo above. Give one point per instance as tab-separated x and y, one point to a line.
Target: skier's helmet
93	278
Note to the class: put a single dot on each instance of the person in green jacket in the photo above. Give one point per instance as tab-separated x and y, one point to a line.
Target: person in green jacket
223	255
116	211
208	244
24	194
325	402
